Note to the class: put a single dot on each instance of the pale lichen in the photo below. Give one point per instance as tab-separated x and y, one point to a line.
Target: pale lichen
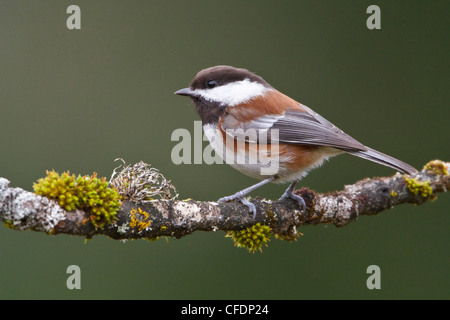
24	210
141	183
123	229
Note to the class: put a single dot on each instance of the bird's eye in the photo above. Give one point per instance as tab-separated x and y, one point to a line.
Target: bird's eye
211	84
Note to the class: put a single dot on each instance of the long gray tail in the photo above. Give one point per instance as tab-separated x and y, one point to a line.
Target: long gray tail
385	160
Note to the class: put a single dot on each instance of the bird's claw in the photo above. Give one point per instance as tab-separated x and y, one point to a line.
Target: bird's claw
299	199
250	205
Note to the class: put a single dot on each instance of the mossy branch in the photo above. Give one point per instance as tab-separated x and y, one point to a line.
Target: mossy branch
23	210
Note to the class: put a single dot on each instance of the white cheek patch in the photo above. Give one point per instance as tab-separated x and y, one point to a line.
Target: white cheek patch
233	93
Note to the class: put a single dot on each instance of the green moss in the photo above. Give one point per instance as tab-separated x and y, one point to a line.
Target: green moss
83	192
251	238
58	187
152	239
289	237
416	187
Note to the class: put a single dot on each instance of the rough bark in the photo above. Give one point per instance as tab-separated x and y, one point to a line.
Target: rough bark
23	210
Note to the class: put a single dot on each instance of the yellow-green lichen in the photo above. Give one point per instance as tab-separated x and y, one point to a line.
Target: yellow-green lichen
417	187
251	238
393	194
437	167
141	223
8	224
272	216
82	192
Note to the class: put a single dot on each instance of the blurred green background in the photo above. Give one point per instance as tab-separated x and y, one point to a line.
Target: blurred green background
78	99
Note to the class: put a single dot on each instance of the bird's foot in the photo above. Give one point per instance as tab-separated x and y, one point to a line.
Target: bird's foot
299	199
240	197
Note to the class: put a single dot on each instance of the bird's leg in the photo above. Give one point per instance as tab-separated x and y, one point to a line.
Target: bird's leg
241	194
289	193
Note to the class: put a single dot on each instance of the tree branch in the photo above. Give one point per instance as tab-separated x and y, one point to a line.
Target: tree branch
23	210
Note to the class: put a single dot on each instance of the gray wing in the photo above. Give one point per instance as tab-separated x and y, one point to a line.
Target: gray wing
309	128
296	127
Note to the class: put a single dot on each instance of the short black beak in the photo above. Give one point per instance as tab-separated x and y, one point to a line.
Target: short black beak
185	92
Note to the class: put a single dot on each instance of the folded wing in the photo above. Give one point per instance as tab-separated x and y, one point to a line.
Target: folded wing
306	127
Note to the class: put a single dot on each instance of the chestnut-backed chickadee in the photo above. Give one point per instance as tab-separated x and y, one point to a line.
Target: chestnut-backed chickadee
228	99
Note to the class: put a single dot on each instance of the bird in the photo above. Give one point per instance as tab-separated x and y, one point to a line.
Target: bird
243	115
